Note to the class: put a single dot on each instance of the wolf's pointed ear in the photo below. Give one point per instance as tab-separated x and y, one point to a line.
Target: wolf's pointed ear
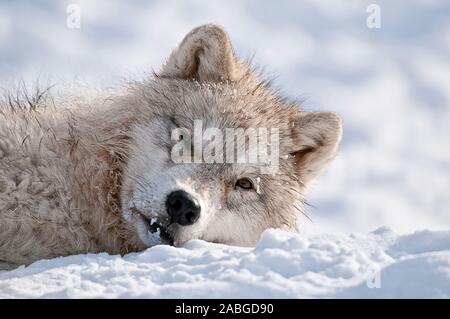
205	54
315	141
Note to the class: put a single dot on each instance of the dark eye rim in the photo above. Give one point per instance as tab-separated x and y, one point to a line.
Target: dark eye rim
244	183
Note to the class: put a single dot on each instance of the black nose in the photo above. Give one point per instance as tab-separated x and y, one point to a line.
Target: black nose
182	208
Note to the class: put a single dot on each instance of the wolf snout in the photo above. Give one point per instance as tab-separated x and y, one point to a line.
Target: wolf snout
182	208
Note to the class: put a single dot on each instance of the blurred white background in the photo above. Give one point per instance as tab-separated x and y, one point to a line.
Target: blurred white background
391	85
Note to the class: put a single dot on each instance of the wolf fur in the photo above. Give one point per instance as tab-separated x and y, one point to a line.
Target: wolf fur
85	175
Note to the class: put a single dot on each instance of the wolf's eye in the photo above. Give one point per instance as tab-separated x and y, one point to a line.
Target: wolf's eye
244	183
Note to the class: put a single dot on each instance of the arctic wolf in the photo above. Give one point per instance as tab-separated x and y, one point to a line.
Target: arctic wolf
81	175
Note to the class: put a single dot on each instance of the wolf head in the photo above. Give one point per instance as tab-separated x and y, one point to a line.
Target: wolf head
203	86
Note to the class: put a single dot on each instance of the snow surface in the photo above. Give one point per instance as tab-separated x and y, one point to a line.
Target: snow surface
390	85
283	265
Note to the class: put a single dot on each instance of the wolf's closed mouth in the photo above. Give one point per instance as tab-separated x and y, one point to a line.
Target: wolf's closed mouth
155	227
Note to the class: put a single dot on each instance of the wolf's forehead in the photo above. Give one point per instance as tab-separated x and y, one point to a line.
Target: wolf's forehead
220	107
224	116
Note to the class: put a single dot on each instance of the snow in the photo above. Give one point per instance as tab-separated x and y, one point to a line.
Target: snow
282	265
390	85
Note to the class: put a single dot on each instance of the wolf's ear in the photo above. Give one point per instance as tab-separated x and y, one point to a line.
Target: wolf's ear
205	54
315	141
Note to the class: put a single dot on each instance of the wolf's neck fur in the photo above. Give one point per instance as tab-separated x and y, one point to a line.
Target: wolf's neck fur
60	175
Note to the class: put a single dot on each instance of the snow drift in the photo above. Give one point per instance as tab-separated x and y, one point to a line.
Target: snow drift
283	265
